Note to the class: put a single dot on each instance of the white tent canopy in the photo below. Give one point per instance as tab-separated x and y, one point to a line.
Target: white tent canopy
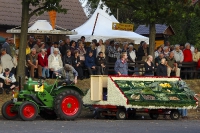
103	29
42	27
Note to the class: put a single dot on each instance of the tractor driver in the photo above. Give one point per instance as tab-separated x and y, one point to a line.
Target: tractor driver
7	81
69	74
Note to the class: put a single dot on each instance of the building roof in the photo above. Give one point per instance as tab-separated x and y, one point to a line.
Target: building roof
160	29
10	12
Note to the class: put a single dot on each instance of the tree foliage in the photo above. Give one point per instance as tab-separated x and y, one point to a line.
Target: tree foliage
151	12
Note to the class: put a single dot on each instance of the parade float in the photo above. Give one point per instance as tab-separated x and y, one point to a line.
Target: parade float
123	96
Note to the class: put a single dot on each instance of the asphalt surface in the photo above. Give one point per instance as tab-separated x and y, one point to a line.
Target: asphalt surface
85	125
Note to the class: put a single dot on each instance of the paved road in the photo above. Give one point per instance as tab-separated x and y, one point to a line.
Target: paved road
84	125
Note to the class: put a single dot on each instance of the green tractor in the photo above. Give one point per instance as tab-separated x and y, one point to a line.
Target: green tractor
49	101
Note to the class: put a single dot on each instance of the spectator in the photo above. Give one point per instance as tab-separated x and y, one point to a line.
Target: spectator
67	58
100	48
7	81
92	48
65	47
158	51
38	46
187	58
82	51
167	43
125	47
6	61
158	59
61	43
182	47
162	68
117	50
6	45
69	74
43	70
112	52
54	61
77	64
149	66
32	62
196	55
183	113
107	45
90	64
101	62
178	54
172	65
55	45
131	53
15	60
121	65
12	47
166	51
143	51
187	53
31	42
171	48
28	50
73	47
83	41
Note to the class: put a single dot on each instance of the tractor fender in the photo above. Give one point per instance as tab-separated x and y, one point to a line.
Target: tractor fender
63	88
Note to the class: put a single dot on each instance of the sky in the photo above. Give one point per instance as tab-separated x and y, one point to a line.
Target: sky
84	3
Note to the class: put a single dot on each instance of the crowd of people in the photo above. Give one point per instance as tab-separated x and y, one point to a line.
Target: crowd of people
43	59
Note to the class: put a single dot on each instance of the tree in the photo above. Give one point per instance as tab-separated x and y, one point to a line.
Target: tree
30	8
150	12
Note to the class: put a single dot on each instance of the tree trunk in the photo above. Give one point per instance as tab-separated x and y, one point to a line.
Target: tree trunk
23	41
152	36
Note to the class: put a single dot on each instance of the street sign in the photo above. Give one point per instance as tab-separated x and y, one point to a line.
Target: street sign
122	26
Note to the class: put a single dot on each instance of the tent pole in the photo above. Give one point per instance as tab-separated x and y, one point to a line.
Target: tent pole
95	24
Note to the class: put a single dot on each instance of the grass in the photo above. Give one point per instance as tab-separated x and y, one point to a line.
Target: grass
84	85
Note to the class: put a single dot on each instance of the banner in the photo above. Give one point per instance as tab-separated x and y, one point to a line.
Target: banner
122	26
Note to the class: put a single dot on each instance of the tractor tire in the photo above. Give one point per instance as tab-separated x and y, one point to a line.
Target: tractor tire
175	115
121	114
28	111
48	115
6	111
68	105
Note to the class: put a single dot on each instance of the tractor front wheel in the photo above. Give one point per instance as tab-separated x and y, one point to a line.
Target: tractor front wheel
7	112
28	111
68	105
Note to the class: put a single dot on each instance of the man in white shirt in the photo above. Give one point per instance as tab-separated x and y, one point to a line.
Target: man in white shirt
131	53
178	54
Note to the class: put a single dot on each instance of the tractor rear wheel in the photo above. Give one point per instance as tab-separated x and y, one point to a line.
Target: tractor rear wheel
48	115
68	105
28	111
6	111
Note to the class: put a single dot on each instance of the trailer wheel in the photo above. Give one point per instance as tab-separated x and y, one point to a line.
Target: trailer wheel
121	114
174	115
48	115
6	111
28	111
68	105
154	116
